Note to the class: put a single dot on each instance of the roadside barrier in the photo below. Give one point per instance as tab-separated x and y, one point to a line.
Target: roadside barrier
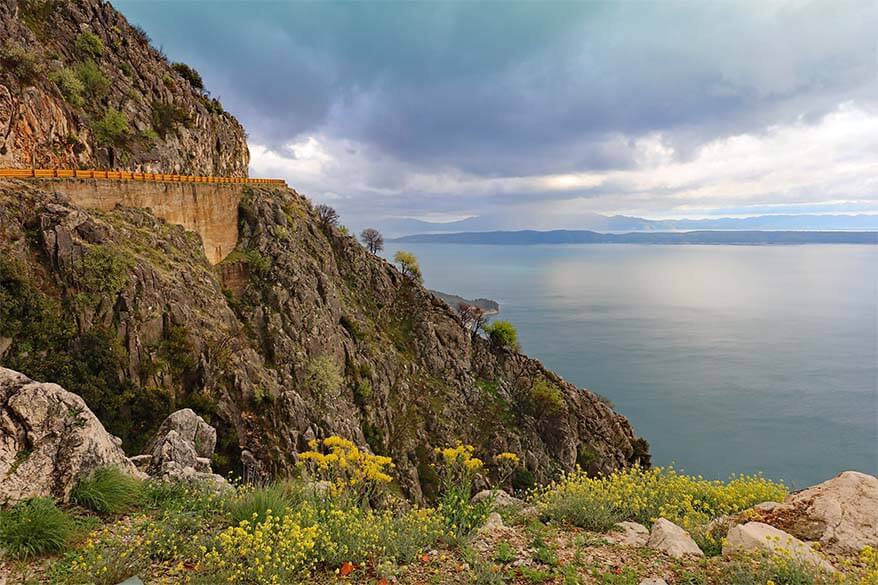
129	176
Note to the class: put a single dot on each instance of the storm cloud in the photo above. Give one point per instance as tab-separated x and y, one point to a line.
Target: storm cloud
538	112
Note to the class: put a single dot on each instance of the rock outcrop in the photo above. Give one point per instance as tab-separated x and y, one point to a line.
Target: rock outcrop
629	534
181	450
672	540
841	513
316	336
49	439
81	88
756	536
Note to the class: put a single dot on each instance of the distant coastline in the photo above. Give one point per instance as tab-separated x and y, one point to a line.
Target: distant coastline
487	305
702	237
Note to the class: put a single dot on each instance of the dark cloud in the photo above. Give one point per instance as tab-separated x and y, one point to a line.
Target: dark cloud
493	89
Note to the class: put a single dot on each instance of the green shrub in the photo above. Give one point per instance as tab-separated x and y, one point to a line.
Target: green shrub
90	45
502	334
165	117
408	265
93	79
34	527
323	376
189	74
108	490
504	553
24	64
254	504
70	86
587	510
546	398
112	129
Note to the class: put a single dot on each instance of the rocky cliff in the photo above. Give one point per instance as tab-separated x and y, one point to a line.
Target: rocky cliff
81	88
298	333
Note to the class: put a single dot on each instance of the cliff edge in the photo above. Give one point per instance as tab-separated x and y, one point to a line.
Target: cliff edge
82	88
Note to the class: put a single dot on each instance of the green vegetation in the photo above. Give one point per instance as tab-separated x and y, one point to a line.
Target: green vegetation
165	117
93	79
108	491
34	527
502	334
256	504
546	399
323	376
25	65
190	75
90	45
408	265
112	129
70	85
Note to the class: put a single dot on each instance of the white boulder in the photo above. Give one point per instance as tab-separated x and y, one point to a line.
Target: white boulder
672	540
49	440
757	536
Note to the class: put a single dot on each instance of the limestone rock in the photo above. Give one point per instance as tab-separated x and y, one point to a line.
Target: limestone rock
841	513
49	440
653	581
191	428
501	499
756	536
629	534
181	449
669	538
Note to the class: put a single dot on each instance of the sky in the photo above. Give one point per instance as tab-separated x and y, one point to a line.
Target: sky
537	114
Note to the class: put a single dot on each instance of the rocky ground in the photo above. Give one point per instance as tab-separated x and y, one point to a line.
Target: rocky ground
51	440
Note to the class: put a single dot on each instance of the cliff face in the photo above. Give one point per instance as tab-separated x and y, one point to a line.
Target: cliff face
299	333
81	88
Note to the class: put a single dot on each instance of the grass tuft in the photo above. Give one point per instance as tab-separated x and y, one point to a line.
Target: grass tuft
34	527
108	490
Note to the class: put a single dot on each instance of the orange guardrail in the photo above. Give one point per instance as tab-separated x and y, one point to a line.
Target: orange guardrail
130	176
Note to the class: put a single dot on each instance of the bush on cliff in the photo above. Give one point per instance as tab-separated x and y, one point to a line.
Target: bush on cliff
502	334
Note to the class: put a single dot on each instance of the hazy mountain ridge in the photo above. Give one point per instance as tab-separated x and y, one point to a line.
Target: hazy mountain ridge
529	237
622	223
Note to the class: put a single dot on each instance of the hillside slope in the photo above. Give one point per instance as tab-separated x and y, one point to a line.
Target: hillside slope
81	88
299	333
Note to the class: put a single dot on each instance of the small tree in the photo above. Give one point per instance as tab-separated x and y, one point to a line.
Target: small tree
112	129
373	240
190	75
473	317
408	265
327	216
502	334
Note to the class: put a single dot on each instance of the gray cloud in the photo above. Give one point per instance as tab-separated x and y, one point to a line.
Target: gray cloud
493	90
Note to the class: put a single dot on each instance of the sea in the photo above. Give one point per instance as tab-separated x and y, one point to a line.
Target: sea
727	359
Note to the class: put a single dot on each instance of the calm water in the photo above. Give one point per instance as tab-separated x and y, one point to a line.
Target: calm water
727	359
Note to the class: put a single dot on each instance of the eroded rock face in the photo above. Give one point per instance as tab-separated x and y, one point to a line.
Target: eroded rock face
672	540
49	440
842	513
412	376
173	127
757	536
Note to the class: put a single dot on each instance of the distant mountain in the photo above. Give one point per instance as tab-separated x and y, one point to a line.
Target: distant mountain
623	223
527	237
487	305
